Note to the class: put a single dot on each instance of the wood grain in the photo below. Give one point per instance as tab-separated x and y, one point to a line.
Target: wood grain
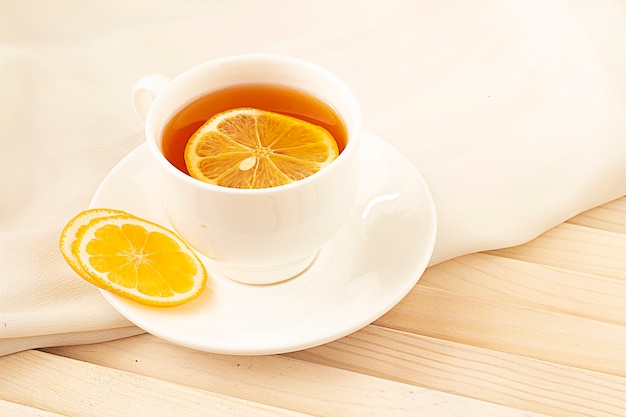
610	217
282	381
76	388
18	410
491	324
503	378
574	247
527	284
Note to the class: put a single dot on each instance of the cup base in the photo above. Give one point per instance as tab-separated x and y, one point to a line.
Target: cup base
265	275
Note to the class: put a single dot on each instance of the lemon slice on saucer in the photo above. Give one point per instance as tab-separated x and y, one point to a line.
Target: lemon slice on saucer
132	257
71	230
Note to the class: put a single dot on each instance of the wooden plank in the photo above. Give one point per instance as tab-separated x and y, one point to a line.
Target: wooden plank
67	386
503	378
578	248
527	284
610	217
283	382
18	410
505	327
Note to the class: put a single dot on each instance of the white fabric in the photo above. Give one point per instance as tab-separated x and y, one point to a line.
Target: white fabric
514	112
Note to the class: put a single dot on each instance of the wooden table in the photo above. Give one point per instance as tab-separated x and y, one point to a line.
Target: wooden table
538	329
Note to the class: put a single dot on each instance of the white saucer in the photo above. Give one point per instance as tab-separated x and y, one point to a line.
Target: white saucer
364	271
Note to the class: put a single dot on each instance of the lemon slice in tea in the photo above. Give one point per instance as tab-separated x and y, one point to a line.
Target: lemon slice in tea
252	148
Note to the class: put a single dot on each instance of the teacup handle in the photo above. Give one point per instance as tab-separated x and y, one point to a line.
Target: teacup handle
144	93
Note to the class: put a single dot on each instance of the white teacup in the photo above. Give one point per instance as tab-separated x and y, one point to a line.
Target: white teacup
255	236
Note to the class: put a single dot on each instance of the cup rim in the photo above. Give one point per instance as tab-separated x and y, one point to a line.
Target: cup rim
350	148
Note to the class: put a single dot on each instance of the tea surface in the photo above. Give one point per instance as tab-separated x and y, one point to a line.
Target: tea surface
276	98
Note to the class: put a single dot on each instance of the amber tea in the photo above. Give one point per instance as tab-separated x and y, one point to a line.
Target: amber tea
275	98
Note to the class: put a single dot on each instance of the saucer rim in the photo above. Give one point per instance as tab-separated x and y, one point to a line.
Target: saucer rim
421	263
